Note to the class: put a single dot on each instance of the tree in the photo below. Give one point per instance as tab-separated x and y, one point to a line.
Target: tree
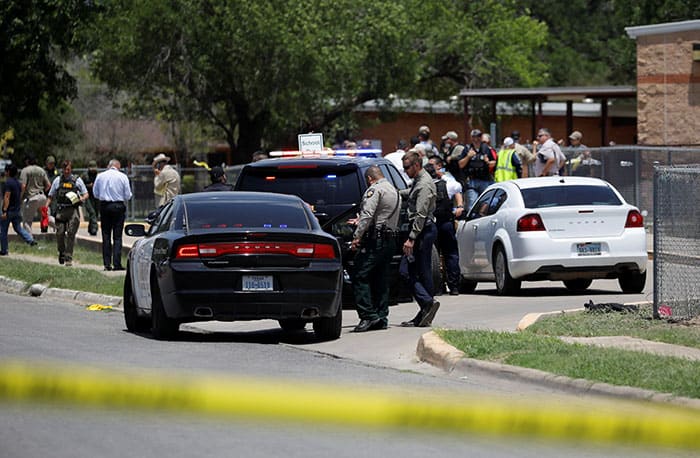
34	86
264	71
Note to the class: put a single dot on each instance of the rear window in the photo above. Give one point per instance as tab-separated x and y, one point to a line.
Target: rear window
268	215
314	186
562	196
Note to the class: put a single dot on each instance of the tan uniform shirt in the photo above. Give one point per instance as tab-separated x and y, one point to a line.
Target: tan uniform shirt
380	207
35	180
166	185
421	202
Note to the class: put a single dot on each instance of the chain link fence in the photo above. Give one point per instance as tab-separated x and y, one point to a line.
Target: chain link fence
677	241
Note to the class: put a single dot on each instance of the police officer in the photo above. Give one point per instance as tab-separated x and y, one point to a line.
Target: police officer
218	180
91	208
417	249
375	238
69	192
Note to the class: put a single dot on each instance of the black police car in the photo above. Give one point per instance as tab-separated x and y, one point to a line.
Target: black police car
333	186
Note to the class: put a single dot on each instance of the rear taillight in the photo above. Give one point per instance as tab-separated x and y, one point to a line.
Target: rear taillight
531	222
213	250
634	219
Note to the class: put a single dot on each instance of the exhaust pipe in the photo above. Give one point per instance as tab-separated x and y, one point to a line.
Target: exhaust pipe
308	313
203	312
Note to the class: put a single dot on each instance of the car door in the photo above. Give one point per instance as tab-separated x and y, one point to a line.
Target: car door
488	225
143	257
472	252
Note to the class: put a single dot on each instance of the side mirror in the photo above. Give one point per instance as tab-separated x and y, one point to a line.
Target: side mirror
135	230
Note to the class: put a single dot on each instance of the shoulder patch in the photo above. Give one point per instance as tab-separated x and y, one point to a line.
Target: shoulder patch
370	193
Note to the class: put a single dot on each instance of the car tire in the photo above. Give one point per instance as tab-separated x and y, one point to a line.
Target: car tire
162	327
578	284
466	286
292	324
632	282
328	328
505	284
134	322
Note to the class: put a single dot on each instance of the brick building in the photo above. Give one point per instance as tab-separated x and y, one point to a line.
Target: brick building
668	83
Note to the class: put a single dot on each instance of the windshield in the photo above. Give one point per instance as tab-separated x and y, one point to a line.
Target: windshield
314	186
267	214
561	196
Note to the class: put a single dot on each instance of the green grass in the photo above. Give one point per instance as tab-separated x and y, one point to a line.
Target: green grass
56	275
45	248
639	324
538	347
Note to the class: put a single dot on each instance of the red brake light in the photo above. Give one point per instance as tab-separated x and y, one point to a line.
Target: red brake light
187	251
634	219
531	222
213	250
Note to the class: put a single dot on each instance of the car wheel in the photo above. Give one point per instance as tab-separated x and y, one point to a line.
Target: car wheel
292	324
162	327
134	322
505	284
632	282
328	328
578	284
466	286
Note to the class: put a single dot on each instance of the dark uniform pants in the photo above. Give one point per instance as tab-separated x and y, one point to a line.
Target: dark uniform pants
67	224
90	210
112	219
447	245
371	279
420	272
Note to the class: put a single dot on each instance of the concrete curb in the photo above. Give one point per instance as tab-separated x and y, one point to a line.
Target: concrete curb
433	350
12	286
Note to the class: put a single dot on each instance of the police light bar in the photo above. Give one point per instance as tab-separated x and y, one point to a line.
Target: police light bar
329	153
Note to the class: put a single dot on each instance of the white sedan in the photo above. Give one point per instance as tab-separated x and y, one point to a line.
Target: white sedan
573	229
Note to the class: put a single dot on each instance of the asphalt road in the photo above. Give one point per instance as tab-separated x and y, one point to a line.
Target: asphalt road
36	329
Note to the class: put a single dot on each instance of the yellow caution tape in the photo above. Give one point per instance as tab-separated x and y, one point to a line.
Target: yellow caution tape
256	399
98	307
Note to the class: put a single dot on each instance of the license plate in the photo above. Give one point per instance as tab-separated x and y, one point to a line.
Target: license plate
257	282
588	249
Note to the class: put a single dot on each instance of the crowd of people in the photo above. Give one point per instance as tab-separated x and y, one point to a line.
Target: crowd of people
445	181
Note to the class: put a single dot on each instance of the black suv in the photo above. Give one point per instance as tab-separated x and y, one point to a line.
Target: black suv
334	187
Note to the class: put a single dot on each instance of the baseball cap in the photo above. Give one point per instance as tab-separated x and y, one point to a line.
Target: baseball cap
452	135
92	164
424	128
515	135
50	159
216	172
576	135
508	141
476	133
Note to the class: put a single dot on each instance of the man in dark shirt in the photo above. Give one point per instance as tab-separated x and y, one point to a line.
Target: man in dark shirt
477	163
11	210
218	180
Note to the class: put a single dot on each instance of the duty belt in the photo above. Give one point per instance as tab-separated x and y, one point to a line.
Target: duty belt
378	233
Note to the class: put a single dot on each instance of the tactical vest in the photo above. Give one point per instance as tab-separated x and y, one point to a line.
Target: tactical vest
478	167
443	203
504	167
66	185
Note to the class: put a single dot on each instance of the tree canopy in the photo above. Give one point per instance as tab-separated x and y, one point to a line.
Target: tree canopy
265	71
35	88
258	73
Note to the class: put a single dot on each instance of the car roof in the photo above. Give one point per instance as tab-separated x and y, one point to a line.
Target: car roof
238	196
331	161
544	182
